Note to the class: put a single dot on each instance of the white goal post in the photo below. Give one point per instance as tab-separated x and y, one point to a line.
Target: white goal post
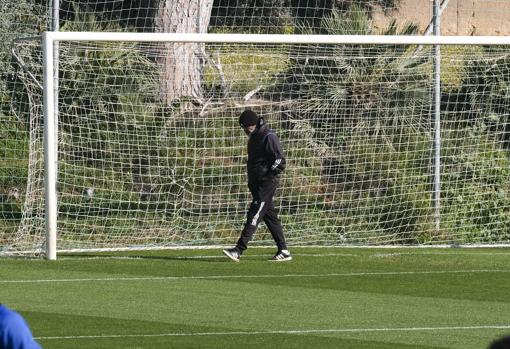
51	111
277	38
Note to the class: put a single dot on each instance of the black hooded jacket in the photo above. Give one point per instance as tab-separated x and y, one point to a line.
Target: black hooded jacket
266	159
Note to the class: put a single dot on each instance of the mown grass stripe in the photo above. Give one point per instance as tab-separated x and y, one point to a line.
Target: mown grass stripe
265	276
318	255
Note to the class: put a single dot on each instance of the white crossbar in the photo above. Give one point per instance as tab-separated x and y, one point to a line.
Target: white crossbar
280	38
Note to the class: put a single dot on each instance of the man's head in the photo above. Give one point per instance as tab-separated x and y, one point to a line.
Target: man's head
248	121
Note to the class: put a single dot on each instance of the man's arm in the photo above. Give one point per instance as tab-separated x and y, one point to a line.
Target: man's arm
15	333
274	148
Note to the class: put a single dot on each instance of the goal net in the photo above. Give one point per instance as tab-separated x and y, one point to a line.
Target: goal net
149	152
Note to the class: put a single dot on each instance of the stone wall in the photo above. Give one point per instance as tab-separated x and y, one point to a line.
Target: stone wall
461	17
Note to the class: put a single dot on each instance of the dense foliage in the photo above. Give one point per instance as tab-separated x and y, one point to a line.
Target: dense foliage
363	112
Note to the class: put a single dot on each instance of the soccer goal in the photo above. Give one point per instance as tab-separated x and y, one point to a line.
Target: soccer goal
135	144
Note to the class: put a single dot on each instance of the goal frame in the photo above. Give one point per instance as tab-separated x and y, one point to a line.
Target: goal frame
50	87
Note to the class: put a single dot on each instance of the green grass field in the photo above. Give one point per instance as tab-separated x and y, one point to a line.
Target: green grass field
324	298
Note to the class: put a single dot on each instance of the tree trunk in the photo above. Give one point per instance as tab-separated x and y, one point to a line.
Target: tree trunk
181	65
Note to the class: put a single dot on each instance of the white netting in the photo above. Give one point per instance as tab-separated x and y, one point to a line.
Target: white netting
458	17
356	122
233	16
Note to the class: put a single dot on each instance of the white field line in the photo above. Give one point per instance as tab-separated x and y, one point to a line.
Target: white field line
216	247
298	332
445	253
263	276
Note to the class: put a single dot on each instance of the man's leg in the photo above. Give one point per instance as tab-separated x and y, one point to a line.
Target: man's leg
253	218
275	227
262	193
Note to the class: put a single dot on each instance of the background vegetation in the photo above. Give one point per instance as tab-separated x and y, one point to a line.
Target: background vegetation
364	177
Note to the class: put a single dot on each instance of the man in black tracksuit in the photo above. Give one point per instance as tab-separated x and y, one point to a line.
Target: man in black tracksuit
266	161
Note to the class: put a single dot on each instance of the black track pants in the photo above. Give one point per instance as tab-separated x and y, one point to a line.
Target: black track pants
262	208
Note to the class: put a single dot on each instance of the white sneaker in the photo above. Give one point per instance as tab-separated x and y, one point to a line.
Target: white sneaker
282	256
232	253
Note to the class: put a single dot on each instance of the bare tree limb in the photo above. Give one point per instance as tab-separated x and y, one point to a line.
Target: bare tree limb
250	94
